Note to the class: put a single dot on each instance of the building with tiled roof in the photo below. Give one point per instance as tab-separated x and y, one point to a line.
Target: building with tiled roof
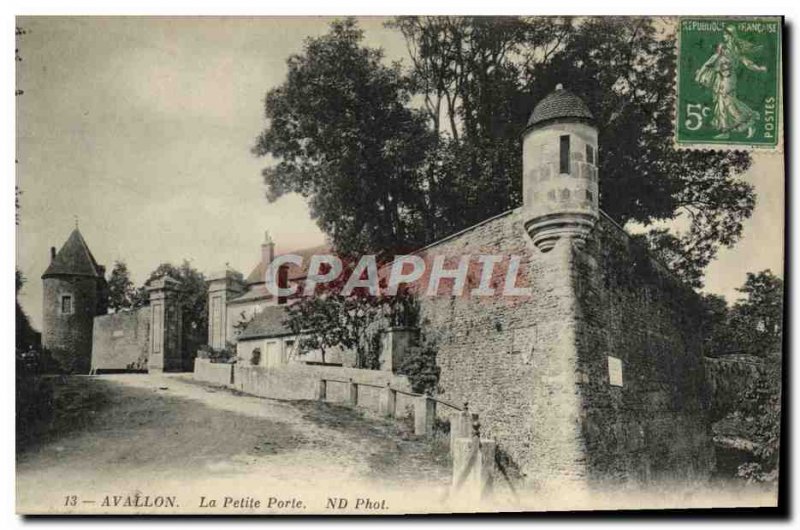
294	272
75	291
245	313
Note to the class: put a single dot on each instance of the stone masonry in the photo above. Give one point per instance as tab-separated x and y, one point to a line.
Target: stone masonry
121	341
597	375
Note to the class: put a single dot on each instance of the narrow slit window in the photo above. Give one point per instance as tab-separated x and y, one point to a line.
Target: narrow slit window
564	154
66	304
590	154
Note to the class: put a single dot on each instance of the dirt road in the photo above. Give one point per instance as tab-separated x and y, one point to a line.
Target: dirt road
167	436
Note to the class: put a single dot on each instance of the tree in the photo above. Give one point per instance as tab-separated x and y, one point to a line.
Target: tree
758	319
121	291
760	412
382	176
332	319
718	337
26	336
492	72
344	137
753	326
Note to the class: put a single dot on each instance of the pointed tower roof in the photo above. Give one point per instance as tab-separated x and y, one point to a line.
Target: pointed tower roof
75	259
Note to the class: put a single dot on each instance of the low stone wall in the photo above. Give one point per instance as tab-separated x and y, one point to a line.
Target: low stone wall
299	381
215	373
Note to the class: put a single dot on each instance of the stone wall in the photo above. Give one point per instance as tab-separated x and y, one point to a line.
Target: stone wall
512	358
655	425
299	381
214	373
536	368
121	341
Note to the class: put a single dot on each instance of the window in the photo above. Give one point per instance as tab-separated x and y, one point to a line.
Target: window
564	154
590	154
66	304
283	282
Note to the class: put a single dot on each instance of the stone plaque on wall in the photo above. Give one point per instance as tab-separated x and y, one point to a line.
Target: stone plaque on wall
614	371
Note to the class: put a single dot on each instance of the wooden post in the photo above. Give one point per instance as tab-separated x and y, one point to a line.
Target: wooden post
353	393
424	415
322	390
388	402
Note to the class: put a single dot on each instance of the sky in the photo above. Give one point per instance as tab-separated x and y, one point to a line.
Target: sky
140	130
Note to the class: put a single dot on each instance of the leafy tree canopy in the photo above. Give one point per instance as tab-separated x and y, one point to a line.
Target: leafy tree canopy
753	325
344	136
192	296
121	291
383	175
352	321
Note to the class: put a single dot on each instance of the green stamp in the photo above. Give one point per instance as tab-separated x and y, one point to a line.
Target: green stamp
729	76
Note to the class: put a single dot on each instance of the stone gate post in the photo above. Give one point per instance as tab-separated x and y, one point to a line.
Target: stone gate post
424	415
222	286
165	326
460	426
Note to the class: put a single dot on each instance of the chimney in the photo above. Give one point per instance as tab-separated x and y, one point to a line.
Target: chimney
267	250
52	254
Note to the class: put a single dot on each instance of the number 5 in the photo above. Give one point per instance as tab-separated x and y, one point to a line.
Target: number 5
694	120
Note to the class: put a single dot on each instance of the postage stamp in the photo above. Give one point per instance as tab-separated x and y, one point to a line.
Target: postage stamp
729	83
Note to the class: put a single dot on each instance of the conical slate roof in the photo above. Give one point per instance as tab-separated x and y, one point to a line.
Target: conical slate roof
560	104
74	258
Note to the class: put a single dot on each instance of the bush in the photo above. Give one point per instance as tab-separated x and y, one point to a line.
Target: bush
420	367
225	355
62	361
34	395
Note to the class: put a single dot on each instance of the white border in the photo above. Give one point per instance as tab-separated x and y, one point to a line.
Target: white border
364	7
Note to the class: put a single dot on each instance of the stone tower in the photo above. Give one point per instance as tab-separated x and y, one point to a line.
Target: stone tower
75	291
559	168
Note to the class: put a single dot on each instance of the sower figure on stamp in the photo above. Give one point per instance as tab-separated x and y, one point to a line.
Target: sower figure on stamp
719	74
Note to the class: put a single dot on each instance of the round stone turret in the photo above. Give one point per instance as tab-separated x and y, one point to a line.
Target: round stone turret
75	291
559	167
